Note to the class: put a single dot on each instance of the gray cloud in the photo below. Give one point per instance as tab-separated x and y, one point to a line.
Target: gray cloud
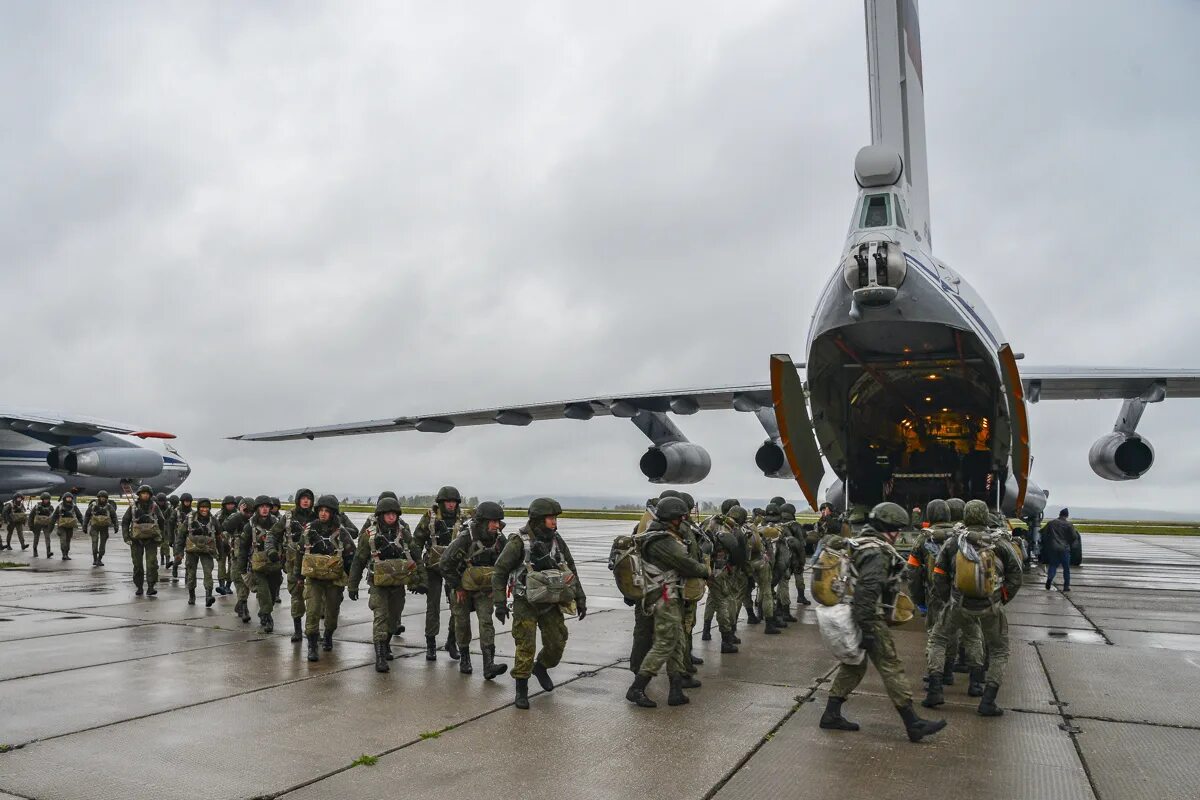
261	217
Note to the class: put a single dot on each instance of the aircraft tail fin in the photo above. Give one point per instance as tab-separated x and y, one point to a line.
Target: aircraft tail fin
898	97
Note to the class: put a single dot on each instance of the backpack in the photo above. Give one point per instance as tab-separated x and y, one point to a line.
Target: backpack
833	576
977	567
637	579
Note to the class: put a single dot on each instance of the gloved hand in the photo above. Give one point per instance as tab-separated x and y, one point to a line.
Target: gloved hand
352	594
581	608
868	642
502	613
419	590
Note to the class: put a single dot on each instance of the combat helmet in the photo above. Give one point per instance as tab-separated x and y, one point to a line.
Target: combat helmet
975	514
143	489
888	516
386	504
688	501
46	495
728	504
670	509
738	515
937	511
331	502
956	506
547	507
489	511
448	494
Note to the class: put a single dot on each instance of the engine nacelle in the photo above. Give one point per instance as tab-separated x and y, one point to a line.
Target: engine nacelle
1035	499
108	462
771	459
1121	456
676	462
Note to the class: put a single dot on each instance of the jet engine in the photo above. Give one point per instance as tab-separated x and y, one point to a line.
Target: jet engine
676	462
107	462
771	460
1121	456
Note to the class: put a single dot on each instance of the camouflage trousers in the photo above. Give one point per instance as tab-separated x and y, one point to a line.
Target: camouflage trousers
783	598
65	535
688	627
38	532
724	595
19	530
387	605
528	619
322	601
669	647
205	561
223	558
881	653
99	541
992	626
966	634
144	553
435	590
241	585
294	587
483	606
798	574
265	585
766	598
643	637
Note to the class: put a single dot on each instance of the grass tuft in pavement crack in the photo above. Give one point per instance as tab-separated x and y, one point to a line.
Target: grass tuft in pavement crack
365	761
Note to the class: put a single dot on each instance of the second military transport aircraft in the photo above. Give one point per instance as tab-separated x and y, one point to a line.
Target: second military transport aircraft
912	391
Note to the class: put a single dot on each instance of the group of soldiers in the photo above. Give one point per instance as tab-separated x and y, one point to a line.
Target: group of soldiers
63	518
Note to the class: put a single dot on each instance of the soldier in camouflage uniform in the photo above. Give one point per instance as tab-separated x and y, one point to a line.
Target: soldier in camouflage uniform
232	529
66	519
224	543
101	515
325	536
261	558
762	559
477	549
179	511
439	526
664	546
878	568
988	612
535	548
289	527
39	522
796	540
712	527
164	505
384	538
693	537
196	537
15	514
643	620
142	528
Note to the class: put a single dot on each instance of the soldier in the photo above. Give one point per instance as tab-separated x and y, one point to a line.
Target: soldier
728	566
987	611
224	544
693	537
276	507
179	511
781	574
712	528
878	567
643	620
289	527
762	559
325	536
663	545
797	543
164	505
919	577
956	506
196	538
39	522
538	553
467	566
385	551
142	529
101	515
232	528
15	513
66	519
261	557
439	526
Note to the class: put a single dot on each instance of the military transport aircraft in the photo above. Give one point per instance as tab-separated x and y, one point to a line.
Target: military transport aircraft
912	391
42	451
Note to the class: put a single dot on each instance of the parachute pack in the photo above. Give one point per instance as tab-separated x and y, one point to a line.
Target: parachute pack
637	579
834	577
977	566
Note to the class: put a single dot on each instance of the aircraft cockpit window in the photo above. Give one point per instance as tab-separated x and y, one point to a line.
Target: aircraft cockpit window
899	213
875	212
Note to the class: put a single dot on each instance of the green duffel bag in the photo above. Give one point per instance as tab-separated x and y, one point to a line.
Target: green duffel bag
200	544
100	521
477	579
394	572
550	586
260	561
145	530
322	568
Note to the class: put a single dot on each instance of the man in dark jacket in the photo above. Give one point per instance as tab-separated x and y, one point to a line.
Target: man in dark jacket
1058	537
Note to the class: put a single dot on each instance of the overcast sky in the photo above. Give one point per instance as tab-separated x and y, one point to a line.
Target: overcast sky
225	217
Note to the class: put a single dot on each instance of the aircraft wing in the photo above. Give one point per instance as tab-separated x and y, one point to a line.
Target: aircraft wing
59	424
1107	383
686	401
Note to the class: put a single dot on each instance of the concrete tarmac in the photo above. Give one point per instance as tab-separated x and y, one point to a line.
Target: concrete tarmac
104	694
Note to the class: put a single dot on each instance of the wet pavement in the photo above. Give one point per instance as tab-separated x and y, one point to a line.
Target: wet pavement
105	694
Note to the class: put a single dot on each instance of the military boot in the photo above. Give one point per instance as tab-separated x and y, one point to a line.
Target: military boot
451	647
987	706
727	645
788	616
464	661
975	682
174	569
772	628
387	650
139	591
802	600
328	645
733	637
208	598
191	597
297	633
490	668
637	692
690	682
916	727
268	625
522	700
780	620
676	697
151	591
543	677
706	635
934	696
832	719
751	617
381	664
312	647
222	589
948	673
431	648
697	661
